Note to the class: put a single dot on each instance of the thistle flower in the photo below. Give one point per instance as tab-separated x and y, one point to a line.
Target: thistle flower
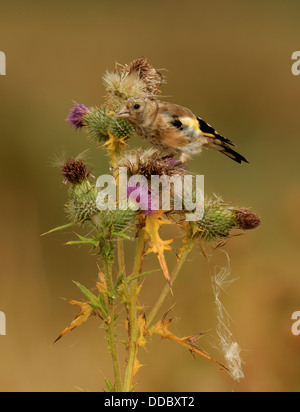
246	219
79	212
143	199
82	202
75	117
149	163
121	128
82	197
219	220
97	123
74	171
116	222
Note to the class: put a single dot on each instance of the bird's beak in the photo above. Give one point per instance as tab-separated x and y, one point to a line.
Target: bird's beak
123	113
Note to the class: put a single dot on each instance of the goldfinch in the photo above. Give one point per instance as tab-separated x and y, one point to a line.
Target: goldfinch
174	128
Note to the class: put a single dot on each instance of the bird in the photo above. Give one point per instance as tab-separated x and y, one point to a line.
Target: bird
174	129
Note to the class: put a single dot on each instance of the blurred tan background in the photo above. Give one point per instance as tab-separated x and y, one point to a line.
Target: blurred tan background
230	62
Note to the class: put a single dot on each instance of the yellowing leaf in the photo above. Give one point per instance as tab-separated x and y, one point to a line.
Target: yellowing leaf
101	285
114	147
189	342
136	367
143	331
156	244
85	312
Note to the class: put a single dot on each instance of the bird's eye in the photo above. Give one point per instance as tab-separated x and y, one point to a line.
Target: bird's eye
136	106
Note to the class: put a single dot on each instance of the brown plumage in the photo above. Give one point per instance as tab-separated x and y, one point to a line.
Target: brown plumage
174	128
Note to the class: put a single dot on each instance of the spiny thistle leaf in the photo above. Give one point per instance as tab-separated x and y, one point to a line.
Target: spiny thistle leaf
189	342
109	385
136	367
118	285
143	330
84	241
128	280
85	312
156	244
96	303
115	147
101	284
59	228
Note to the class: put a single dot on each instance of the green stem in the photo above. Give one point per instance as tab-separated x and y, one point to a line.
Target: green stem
114	157
114	152
110	324
132	316
121	258
181	260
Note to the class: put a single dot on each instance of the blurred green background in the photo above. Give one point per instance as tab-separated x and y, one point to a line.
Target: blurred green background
230	62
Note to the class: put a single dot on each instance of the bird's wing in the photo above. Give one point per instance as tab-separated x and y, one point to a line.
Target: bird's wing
178	124
178	117
209	131
175	111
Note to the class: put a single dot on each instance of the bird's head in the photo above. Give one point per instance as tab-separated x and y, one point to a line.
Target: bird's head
134	110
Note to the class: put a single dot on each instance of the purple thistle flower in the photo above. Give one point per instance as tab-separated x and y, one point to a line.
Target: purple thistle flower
76	115
143	199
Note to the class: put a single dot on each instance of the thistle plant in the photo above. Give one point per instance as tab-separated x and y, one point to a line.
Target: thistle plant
110	229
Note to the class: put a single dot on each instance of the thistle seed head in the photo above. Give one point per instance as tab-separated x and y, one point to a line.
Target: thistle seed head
137	79
147	73
122	86
150	163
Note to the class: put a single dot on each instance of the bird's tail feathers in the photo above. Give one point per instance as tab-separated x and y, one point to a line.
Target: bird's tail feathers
229	152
